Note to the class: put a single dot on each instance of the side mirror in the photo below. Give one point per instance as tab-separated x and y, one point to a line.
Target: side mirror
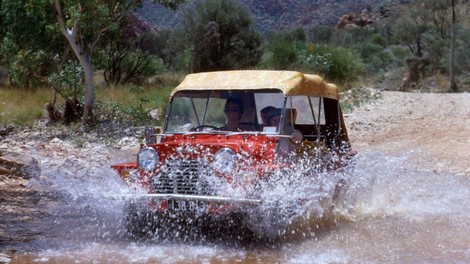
151	134
296	137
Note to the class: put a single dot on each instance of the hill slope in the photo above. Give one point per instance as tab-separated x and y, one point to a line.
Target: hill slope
276	15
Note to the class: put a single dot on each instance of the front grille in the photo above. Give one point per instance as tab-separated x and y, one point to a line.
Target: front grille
183	177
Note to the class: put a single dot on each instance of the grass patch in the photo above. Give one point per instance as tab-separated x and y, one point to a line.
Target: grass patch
134	105
22	106
129	104
143	105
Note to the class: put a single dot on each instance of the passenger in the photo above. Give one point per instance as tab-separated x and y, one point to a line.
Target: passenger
274	117
285	146
264	115
233	110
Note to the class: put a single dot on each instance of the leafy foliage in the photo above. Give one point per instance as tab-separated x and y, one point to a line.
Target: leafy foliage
335	63
283	49
67	82
321	34
463	50
222	36
28	40
374	56
124	66
132	104
283	55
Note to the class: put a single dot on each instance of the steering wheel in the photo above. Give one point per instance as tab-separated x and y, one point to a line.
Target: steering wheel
201	127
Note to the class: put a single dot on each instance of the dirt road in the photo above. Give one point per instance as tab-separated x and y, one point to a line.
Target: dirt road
438	125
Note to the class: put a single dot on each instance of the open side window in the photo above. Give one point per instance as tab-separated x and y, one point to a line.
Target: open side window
306	114
318	118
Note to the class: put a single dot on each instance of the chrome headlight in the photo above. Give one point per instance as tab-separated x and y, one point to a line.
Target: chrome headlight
224	160
148	159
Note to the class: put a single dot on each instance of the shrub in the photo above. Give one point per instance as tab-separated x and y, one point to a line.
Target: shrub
222	35
68	81
400	52
374	56
335	63
378	39
132	104
282	55
30	68
321	34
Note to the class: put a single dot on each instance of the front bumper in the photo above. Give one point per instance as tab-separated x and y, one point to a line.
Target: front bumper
186	197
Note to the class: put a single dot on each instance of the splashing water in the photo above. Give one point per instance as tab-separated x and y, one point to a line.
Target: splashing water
391	210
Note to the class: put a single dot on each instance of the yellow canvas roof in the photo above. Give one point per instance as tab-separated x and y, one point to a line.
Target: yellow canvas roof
290	82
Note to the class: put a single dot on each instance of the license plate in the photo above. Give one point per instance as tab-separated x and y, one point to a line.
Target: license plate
187	206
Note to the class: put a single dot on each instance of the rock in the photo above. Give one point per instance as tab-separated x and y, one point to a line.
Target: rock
4	171
33	184
352	20
5	131
20	165
128	141
4	258
56	141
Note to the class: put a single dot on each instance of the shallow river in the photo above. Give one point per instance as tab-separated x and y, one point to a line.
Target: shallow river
393	212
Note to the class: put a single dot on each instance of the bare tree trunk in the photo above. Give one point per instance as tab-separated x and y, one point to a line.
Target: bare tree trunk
88	117
84	58
453	84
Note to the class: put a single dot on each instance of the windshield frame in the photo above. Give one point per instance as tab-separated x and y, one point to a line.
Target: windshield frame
200	118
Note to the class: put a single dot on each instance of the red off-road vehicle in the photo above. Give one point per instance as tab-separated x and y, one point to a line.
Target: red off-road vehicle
225	135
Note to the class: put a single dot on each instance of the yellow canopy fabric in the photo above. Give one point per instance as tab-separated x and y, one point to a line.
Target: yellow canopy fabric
290	82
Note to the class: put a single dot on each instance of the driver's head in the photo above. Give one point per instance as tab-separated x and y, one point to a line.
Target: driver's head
233	105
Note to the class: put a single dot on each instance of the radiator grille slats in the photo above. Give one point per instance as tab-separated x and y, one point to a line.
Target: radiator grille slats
182	177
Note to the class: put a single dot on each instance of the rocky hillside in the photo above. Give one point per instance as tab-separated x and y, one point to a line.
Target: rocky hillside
275	15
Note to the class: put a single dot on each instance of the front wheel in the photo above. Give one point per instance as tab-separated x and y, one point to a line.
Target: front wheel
140	222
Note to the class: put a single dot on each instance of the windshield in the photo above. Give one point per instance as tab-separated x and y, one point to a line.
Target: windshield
220	110
265	111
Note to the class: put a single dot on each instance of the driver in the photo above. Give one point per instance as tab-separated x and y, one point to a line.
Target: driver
233	111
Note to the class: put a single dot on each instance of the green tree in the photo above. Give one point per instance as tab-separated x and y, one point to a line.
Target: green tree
158	44
125	55
283	55
28	40
83	23
426	28
222	36
283	48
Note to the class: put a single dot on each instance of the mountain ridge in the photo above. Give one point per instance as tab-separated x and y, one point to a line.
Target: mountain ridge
278	15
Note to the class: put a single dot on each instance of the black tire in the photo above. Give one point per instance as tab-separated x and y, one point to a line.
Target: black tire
140	222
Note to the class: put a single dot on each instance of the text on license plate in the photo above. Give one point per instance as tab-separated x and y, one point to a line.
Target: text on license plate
187	206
